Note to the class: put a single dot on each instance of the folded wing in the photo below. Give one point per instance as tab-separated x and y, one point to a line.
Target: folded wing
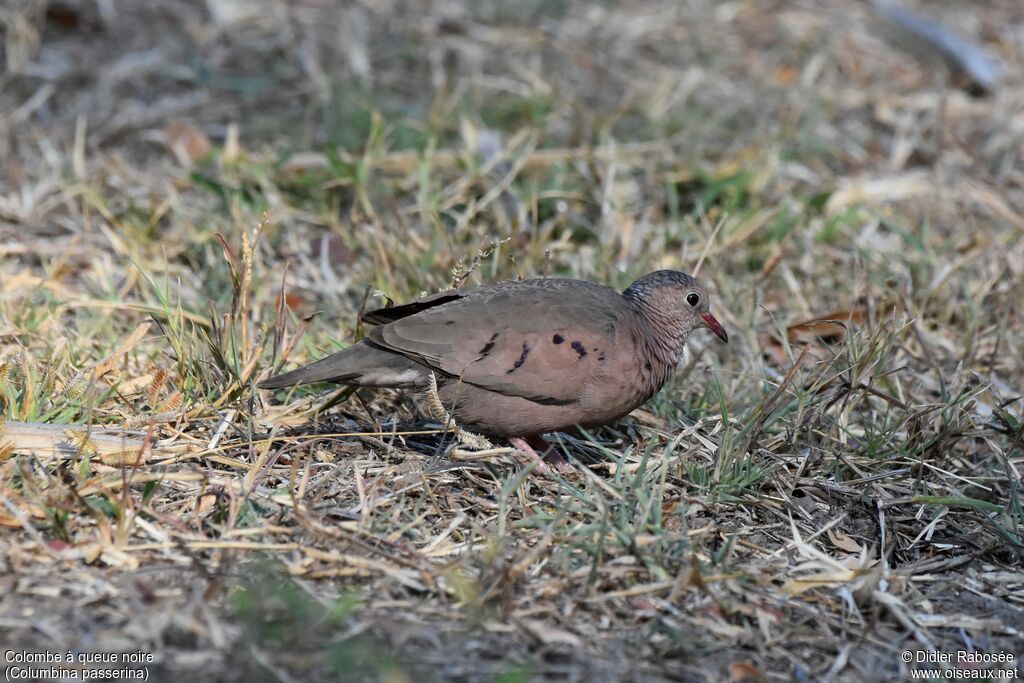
529	338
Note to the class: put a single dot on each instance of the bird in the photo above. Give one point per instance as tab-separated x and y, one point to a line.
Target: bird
518	359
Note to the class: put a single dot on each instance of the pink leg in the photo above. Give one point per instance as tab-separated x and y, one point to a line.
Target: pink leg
550	454
521	445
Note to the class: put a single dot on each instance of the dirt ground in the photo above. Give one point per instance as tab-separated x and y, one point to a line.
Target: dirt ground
195	193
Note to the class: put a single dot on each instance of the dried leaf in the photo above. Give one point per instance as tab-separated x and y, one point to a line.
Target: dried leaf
187	143
111	361
741	672
843	541
815	334
551	635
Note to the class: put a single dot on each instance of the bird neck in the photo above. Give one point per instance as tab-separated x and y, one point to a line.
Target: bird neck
664	343
667	330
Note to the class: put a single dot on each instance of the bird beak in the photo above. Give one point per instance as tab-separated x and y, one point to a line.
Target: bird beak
715	326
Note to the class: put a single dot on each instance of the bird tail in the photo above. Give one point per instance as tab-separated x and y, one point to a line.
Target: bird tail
363	364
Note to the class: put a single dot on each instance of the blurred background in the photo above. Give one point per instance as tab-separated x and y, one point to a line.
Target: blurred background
607	134
707	105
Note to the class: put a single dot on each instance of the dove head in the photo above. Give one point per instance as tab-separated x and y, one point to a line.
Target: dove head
674	304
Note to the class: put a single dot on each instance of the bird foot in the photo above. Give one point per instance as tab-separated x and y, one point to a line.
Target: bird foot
550	458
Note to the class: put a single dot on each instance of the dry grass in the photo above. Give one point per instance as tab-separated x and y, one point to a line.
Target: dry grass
190	197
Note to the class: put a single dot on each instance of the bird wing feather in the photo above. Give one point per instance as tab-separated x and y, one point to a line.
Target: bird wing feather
544	340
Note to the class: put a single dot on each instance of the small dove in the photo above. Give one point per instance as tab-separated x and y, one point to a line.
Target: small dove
522	358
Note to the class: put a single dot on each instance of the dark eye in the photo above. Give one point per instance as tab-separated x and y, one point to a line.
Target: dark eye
692	299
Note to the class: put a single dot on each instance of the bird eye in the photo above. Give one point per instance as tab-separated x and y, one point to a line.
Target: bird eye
692	299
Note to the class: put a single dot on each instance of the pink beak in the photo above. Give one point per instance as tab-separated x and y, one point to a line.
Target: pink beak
715	326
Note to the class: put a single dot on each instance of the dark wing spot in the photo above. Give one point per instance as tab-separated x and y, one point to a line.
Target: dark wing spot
488	346
557	339
550	400
647	366
601	356
522	359
578	348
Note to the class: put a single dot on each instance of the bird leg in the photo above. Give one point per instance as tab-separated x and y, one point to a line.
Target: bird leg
547	450
440	414
527	450
548	453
